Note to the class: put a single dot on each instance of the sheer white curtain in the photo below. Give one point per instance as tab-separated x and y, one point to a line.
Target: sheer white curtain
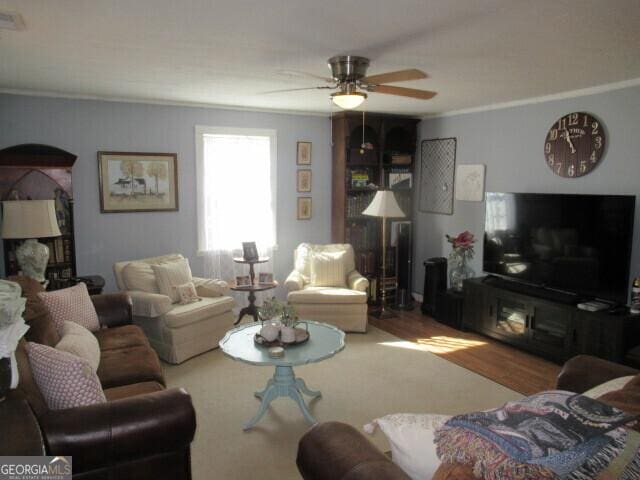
236	198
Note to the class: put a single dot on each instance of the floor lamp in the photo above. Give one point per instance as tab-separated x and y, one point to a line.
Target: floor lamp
384	205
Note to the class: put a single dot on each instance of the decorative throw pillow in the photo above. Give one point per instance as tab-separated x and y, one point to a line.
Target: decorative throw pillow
327	269
80	342
411	439
170	275
65	380
139	276
187	293
73	304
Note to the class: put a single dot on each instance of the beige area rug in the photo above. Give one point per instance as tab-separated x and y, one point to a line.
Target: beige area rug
376	374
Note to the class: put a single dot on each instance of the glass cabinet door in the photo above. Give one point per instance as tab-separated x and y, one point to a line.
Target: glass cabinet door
511	317
550	326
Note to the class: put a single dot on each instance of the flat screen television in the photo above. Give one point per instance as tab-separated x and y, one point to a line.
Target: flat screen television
575	243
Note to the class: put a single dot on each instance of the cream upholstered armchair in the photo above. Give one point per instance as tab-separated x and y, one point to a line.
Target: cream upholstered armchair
177	332
325	286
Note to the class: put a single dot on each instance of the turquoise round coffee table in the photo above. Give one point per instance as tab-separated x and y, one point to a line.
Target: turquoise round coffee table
324	342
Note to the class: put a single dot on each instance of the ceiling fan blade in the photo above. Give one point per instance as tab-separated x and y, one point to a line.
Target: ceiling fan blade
297	89
404	92
399	76
296	73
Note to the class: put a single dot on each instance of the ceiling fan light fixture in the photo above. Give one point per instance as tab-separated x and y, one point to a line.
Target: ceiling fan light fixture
348	100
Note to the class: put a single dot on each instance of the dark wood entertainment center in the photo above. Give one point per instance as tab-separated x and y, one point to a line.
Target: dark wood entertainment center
544	322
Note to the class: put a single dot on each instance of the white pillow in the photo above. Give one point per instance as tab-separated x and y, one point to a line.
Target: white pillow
79	341
139	276
411	439
171	275
327	269
606	387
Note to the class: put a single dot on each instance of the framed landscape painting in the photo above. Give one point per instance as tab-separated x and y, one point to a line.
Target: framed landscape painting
138	182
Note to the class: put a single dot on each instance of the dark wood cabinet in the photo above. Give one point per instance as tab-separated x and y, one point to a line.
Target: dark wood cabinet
42	172
549	328
366	157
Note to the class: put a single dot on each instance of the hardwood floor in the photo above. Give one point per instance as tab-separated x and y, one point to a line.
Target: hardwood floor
523	372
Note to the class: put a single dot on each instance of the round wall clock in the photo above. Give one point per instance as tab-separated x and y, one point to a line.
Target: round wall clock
574	144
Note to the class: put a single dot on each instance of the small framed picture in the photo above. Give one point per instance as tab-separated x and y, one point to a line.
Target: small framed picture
304	153
304	208
249	251
304	180
265	278
243	281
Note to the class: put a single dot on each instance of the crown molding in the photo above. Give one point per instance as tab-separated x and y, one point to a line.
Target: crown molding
107	98
608	87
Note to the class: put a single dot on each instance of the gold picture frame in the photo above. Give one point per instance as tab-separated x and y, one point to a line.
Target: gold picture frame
303	181
138	182
304	208
303	153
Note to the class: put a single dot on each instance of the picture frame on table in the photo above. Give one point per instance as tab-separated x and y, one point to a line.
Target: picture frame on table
265	278
304	180
250	251
137	182
243	281
304	208
303	153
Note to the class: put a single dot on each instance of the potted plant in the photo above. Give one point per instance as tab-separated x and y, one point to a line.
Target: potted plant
462	251
278	318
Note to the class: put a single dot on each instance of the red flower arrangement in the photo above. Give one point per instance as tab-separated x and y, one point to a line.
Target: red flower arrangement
462	244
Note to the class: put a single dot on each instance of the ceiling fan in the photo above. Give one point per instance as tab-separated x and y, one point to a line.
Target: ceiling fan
348	74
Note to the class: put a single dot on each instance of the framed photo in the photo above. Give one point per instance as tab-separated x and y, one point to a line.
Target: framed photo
304	208
265	278
243	281
304	180
304	153
138	182
469	184
249	251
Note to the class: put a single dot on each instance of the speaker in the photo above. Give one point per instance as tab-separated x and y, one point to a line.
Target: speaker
435	281
404	266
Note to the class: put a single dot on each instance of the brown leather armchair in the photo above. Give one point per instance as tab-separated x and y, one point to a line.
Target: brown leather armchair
143	431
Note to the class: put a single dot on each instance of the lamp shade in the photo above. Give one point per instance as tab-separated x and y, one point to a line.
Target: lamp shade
29	219
384	204
348	100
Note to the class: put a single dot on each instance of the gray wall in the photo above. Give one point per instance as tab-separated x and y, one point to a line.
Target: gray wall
510	143
85	127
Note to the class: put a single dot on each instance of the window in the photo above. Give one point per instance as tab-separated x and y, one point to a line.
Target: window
236	173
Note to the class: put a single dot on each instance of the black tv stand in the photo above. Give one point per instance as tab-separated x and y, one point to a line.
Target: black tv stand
566	298
546	322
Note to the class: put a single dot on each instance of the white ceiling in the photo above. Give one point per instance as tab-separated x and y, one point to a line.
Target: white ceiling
225	52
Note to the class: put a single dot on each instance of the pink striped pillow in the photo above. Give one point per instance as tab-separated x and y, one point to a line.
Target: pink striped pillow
71	304
65	380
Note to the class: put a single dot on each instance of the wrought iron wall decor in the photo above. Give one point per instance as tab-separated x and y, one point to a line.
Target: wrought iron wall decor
437	170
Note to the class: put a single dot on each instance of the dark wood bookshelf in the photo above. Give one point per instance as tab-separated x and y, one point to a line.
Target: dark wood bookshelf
42	172
388	139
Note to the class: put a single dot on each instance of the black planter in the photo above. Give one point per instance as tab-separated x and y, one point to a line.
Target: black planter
5	377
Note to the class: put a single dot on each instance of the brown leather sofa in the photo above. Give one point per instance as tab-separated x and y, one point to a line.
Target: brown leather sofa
336	451
143	431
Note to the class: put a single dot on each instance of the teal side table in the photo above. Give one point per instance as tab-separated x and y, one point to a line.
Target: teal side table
324	342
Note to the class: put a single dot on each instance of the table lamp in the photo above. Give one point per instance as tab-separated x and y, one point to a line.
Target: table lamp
29	220
384	205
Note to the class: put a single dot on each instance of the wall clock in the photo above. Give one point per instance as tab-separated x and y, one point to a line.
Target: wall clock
574	145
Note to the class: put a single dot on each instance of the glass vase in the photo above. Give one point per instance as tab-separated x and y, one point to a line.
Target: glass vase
459	272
